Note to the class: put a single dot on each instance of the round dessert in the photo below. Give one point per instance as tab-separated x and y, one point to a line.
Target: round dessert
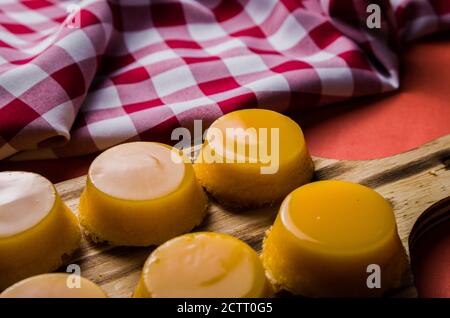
252	157
37	230
203	264
57	285
334	239
140	194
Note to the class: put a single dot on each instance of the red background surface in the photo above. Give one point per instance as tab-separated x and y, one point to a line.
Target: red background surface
387	125
431	262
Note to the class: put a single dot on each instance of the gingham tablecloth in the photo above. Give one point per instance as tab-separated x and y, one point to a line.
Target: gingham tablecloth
117	71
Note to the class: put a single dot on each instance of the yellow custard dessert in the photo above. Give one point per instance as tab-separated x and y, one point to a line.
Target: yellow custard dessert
56	285
37	230
331	238
254	156
203	264
141	193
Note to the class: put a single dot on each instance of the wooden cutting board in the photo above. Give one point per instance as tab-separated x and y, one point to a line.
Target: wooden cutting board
411	181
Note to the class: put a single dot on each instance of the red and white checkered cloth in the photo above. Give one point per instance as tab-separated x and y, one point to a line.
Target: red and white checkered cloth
135	69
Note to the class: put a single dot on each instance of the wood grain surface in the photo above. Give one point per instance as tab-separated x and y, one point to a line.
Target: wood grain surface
411	181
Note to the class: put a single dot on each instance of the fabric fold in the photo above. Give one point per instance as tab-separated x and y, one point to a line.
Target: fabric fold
78	81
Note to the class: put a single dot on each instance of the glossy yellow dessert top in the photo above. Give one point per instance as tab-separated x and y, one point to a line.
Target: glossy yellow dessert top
140	194
36	228
25	200
337	216
252	157
326	235
203	265
137	171
57	285
272	130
